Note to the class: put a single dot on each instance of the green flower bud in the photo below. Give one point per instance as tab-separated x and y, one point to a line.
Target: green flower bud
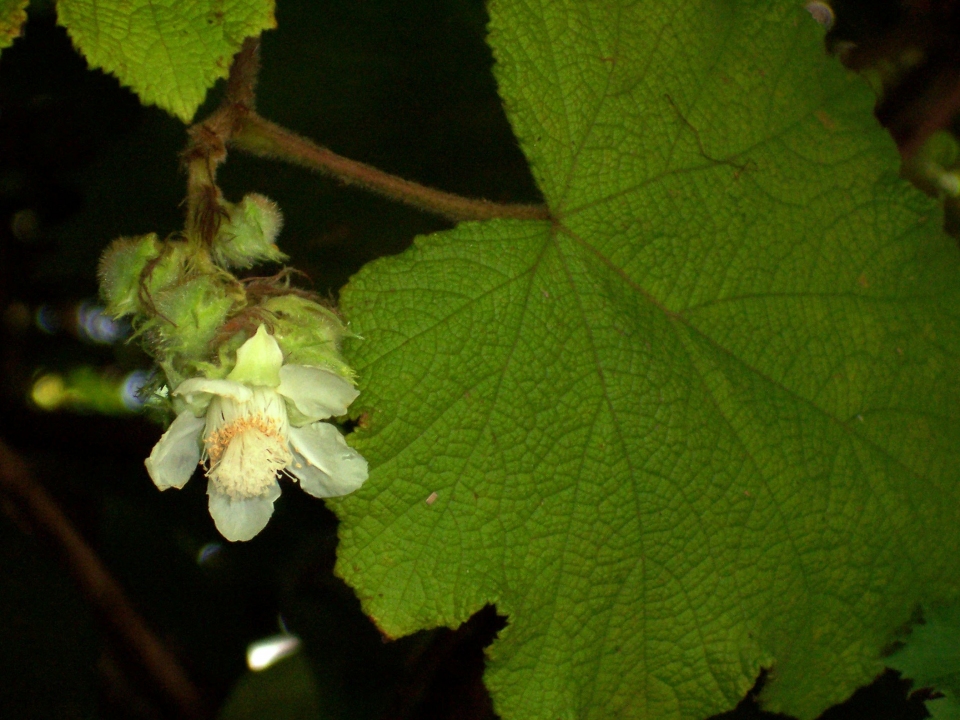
133	270
309	333
189	316
120	268
248	235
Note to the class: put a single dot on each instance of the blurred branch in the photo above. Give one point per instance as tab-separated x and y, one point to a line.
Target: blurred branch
103	591
938	116
910	48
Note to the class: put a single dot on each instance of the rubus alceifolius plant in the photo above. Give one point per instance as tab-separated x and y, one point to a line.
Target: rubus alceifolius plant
693	420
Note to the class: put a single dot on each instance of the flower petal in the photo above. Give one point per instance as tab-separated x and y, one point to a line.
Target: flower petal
258	361
177	453
317	393
323	462
197	392
240	519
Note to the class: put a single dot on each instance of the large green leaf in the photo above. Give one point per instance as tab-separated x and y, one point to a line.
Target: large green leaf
170	52
705	422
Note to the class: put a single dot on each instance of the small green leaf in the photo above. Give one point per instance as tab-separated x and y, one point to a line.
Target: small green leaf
931	658
707	420
12	17
170	52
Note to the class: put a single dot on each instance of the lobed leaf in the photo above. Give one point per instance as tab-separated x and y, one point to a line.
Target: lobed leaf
707	420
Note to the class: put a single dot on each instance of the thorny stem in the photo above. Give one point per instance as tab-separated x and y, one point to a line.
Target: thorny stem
236	123
103	591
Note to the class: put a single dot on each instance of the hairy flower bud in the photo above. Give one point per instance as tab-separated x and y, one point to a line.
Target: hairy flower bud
190	314
309	333
249	233
121	267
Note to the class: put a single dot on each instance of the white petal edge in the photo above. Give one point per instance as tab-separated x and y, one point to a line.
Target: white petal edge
197	392
241	519
258	360
318	394
323	462
177	453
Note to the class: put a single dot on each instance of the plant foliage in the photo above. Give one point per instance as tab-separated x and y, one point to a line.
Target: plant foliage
171	52
703	422
12	17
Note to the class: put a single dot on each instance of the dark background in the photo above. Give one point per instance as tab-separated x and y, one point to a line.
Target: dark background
405	86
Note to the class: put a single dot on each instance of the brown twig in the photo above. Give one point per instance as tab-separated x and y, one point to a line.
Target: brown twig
103	591
261	137
242	83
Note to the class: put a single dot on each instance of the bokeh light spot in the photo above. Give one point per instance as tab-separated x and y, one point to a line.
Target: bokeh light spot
48	391
95	325
130	389
264	653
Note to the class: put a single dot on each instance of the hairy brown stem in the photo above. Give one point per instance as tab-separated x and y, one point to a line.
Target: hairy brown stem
242	83
207	148
103	591
259	136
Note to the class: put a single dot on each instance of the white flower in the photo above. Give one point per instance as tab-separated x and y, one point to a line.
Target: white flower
241	428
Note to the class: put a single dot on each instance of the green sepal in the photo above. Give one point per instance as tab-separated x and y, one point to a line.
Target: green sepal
309	333
296	418
247	237
214	371
259	361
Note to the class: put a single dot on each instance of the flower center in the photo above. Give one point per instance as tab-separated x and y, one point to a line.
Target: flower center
247	443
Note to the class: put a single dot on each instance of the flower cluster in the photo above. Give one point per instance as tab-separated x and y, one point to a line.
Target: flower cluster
251	404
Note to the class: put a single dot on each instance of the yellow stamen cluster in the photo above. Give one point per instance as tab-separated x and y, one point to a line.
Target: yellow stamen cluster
245	455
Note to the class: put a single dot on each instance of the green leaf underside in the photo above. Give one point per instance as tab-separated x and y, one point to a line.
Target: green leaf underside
931	658
12	16
170	52
705	423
